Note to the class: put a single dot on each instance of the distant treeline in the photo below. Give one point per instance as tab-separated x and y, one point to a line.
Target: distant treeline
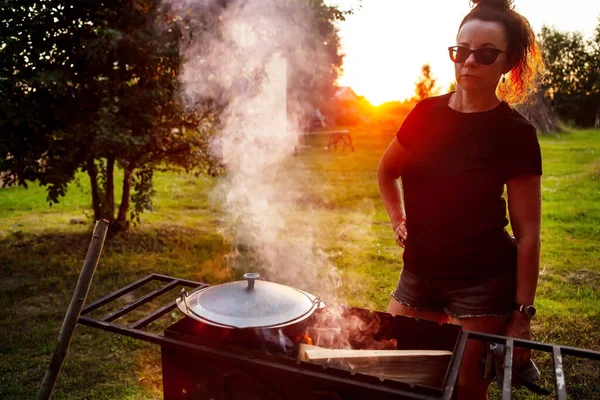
571	80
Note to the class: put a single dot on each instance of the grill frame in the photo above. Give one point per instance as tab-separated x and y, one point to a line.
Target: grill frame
397	389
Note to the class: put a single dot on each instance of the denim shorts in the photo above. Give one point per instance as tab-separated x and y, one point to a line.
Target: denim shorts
459	298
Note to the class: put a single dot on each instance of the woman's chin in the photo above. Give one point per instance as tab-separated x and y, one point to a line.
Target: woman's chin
468	85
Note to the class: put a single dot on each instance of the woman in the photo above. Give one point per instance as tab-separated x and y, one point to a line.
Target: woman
454	154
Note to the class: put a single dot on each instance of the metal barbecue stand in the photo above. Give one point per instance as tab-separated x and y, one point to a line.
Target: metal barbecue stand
136	330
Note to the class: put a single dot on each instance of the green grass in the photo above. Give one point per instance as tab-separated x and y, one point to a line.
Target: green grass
41	255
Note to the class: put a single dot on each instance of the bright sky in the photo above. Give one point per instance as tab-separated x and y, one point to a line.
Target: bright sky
387	41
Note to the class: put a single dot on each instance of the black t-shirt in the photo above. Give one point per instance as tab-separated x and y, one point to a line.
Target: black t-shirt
453	178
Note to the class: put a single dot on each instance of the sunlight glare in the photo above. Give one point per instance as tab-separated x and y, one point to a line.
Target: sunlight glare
387	41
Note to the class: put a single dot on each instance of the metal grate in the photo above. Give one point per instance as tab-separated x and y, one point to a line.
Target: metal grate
135	330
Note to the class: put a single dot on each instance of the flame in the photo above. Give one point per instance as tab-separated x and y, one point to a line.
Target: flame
308	340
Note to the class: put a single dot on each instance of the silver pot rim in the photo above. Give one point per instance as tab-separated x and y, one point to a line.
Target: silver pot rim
249	304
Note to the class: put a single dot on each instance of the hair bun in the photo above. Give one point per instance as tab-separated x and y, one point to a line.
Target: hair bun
499	4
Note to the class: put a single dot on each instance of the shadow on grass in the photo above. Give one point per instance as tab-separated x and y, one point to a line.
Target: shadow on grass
38	273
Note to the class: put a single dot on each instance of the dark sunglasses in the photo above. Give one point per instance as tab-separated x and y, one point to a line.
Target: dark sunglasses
483	56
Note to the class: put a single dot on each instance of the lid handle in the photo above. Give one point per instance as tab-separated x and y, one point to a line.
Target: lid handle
251	277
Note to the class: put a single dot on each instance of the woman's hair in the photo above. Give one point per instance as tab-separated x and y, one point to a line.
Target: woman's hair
523	53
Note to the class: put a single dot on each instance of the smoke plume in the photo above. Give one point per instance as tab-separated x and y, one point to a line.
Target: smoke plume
247	60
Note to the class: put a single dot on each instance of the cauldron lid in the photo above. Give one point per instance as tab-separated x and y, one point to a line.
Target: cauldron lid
251	303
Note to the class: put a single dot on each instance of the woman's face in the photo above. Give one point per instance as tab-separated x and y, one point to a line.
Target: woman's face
477	34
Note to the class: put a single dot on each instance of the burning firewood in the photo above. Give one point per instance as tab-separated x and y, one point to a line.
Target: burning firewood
424	367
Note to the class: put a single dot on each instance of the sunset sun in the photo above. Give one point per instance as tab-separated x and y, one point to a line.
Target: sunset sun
375	85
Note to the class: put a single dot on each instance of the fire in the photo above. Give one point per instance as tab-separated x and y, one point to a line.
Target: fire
308	340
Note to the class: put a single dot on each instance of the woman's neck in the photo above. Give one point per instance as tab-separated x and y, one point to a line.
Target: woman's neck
473	101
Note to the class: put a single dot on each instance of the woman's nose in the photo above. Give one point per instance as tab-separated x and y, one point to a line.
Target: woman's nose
471	59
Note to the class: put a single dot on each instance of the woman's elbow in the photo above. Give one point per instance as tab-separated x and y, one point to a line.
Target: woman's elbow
532	240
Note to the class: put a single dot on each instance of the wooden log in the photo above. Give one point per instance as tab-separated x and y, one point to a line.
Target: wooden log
312	353
423	367
74	310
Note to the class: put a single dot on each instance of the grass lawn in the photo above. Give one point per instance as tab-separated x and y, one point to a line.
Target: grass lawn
41	255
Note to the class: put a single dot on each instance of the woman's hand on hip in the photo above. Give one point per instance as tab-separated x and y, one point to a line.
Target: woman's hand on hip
519	326
400	233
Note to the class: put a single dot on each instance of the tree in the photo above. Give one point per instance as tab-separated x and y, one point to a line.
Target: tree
312	88
89	86
303	32
425	86
93	86
540	113
572	77
595	79
452	86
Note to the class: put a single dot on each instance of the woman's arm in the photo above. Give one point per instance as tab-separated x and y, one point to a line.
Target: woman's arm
390	188
525	210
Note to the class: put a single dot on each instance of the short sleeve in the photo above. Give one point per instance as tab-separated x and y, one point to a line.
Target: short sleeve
409	129
523	156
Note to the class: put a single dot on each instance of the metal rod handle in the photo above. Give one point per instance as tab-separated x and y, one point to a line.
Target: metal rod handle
70	322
